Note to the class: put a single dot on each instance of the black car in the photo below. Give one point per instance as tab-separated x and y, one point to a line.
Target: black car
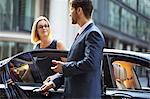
125	74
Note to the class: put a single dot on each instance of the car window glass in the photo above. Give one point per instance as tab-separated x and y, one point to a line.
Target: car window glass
143	74
21	72
129	75
29	68
124	75
21	68
18	69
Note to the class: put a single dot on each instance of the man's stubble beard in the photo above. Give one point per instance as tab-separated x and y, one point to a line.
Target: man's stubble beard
74	21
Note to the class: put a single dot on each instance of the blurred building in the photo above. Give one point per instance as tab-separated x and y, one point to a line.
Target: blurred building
16	20
125	23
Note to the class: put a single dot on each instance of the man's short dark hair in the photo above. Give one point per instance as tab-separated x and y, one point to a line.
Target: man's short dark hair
86	5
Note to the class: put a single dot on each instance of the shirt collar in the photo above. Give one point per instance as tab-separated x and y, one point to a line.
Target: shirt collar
84	26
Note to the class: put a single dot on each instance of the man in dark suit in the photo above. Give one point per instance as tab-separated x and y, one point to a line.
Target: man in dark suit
82	71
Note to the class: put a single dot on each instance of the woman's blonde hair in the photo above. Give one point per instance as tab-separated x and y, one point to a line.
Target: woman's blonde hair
34	35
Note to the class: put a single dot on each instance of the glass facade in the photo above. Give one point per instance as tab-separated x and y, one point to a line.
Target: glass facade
128	23
114	16
27	14
124	20
95	14
16	15
141	6
144	6
46	8
142	29
131	3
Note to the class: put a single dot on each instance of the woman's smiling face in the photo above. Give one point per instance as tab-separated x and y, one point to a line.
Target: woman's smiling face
43	28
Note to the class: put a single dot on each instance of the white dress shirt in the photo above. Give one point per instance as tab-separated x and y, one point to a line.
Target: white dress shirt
84	26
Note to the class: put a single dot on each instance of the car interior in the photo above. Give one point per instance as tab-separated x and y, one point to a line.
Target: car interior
125	75
21	70
120	75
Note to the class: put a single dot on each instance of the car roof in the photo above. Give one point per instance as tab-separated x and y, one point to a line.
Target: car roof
110	51
126	52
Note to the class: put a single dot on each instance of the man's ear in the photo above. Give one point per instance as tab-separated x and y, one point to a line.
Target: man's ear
79	10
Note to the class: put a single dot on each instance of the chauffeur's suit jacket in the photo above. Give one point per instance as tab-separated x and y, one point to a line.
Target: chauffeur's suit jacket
82	73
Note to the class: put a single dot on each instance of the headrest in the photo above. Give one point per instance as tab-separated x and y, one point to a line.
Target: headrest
119	72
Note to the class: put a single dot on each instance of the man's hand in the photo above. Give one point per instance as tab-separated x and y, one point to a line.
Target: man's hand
47	80
58	67
10	82
45	87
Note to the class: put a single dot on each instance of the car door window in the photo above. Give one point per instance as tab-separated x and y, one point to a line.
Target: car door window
33	67
21	68
124	75
128	74
143	74
21	73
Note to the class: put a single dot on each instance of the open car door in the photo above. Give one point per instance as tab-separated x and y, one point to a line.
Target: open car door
21	74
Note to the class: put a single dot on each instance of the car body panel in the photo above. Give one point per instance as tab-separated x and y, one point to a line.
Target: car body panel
129	93
26	61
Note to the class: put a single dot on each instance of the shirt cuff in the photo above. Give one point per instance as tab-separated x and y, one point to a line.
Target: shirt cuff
53	84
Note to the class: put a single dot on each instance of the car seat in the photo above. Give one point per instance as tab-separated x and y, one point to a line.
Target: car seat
131	81
120	76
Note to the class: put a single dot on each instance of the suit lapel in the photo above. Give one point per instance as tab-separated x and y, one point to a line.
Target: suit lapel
83	33
80	36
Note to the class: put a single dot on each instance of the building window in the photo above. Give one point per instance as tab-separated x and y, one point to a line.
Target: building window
113	19
95	5
46	8
131	3
128	23
143	30
16	15
144	6
25	14
6	10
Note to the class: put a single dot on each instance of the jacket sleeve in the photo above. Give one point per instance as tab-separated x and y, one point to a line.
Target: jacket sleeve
94	43
58	81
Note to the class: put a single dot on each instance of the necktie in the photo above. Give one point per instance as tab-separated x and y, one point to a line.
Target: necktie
76	36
